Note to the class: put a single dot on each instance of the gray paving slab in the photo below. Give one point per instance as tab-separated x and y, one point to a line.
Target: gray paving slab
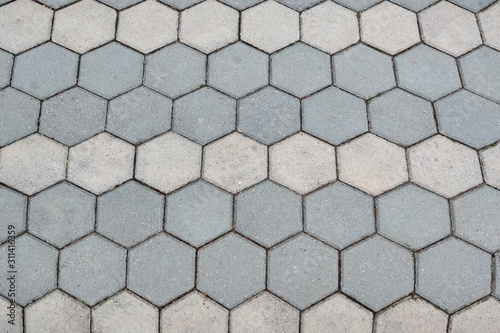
13	212
181	4
358	5
241	4
57	3
120	4
415	6
299	5
6	61
473	5
496	282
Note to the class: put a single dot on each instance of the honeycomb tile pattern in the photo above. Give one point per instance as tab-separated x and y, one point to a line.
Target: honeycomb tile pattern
250	166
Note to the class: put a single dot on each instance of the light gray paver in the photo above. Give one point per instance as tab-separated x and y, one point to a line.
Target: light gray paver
377	272
268	213
453	274
126	313
337	314
231	270
86	273
482	317
11	311
61	214
302	271
489	21
6	61
490	159
13	212
496	282
264	313
57	313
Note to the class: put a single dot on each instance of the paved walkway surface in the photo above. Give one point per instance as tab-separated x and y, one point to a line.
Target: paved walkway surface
250	166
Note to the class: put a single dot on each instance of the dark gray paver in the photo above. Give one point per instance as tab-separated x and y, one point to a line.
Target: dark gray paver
401	117
231	270
496	291
199	213
303	271
476	217
6	61
139	115
334	115
413	217
101	73
269	115
238	69
339	215
13	212
299	5
469	118
161	269
18	115
45	70
130	213
57	3
453	274
175	70
36	267
377	272
300	70
204	115
240	4
62	214
427	72
73	116
181	4
120	4
92	269
414	5
268	213
473	5
358	5
481	70
363	71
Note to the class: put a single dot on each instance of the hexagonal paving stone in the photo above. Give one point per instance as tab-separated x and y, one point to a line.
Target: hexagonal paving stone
302	163
194	313
413	217
181	4
199	213
335	315
329	27
449	28
6	61
473	5
57	313
241	4
334	115
175	70
358	5
32	164
490	159
264	313
481	317
13	212
92	269
427	72
469	118
19	115
339	215
161	258
101	163
411	315
125	312
389	27
363	71
413	5
302	271
36	267
120	4
401	117
55	4
269	115
168	162
73	116
18	323
208	26
45	70
489	21
268	213
103	75
299	5
204	115
372	164
444	166
475	217
139	115
300	70
270	26
231	270
377	272
235	162
238	69
480	70
62	214
84	26
496	291
453	274
139	25
130	213
19	31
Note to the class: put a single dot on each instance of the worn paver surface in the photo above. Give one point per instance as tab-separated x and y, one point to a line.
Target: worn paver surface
267	166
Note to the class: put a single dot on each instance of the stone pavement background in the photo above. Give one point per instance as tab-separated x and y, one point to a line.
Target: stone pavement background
251	166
